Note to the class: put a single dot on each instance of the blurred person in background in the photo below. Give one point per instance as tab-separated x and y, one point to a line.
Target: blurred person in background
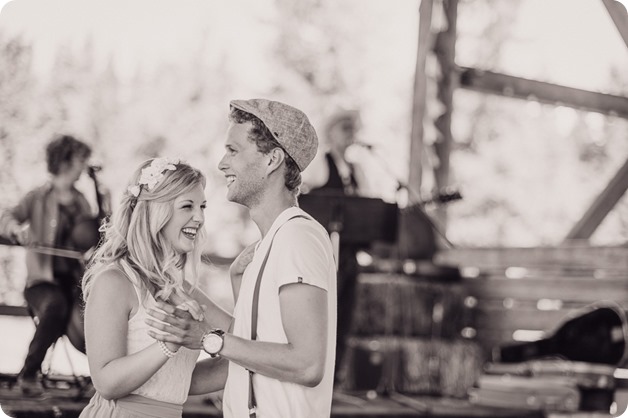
151	251
46	217
281	361
338	174
336	171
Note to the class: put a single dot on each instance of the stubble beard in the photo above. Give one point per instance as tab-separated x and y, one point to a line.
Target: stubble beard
248	196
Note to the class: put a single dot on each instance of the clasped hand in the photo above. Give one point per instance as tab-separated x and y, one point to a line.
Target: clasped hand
179	321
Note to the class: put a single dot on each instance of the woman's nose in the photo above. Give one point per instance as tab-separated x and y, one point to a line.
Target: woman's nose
198	215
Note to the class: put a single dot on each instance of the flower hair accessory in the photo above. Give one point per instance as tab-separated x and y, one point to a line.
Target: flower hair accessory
153	174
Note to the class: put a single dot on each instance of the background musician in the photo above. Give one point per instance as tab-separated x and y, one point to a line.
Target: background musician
46	216
339	175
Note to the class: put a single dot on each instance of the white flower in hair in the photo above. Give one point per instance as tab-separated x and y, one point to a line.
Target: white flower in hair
153	174
134	190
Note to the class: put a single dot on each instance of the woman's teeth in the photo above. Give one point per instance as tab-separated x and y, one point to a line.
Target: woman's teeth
189	232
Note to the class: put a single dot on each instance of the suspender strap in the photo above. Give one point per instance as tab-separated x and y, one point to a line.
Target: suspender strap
252	401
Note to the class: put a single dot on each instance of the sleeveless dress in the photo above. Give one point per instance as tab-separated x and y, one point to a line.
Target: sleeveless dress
163	395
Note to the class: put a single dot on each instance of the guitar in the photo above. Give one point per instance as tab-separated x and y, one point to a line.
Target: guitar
420	240
85	234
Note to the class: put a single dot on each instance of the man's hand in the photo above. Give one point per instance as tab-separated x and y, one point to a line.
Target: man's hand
173	325
182	301
21	234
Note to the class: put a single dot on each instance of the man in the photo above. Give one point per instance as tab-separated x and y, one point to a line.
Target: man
268	145
336	173
47	215
339	176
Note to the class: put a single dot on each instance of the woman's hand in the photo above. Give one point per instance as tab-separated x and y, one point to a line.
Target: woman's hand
184	302
173	325
242	260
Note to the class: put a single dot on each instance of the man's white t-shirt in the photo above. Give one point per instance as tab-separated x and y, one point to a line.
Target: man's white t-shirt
301	253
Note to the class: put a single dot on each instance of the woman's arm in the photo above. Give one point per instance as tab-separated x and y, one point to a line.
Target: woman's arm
108	308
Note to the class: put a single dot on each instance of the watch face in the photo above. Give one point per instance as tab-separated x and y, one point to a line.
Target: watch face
212	343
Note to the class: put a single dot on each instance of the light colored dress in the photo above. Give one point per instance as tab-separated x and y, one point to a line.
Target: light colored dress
163	395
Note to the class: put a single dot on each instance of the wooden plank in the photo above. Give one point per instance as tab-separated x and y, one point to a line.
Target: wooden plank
510	320
13	310
568	290
601	206
419	101
490	339
445	52
521	88
572	255
619	16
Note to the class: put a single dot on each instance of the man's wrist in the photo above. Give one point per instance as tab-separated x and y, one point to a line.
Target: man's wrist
212	342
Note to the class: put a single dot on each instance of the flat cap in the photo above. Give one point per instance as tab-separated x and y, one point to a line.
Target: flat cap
288	125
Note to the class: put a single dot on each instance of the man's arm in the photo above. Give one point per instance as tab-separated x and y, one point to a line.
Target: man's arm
209	376
301	360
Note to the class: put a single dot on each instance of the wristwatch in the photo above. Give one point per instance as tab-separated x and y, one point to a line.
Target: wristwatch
213	341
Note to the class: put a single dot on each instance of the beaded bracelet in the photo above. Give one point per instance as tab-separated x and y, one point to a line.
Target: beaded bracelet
164	349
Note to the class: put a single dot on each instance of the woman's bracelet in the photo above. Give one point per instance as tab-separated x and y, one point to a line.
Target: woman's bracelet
164	349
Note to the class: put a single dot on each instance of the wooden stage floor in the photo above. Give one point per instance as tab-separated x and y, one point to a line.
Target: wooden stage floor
68	403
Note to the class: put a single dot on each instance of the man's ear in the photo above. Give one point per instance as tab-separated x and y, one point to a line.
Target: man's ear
277	156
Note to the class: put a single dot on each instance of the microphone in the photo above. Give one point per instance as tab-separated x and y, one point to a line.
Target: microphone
364	145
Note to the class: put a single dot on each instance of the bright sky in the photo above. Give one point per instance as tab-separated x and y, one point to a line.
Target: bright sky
574	39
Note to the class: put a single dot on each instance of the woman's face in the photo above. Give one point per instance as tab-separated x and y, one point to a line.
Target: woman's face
188	216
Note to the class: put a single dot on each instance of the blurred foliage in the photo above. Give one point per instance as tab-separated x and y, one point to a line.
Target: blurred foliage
527	171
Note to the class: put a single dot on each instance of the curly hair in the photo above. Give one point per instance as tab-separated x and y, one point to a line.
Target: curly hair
266	142
63	149
134	241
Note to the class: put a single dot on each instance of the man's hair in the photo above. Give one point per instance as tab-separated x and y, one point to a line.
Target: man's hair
265	143
134	240
64	149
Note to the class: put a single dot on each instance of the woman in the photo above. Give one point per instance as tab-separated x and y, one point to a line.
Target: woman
46	216
151	252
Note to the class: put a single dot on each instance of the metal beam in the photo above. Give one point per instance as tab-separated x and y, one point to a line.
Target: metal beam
602	205
521	88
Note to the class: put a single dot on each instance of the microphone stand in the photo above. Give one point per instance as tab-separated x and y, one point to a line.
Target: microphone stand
414	195
386	387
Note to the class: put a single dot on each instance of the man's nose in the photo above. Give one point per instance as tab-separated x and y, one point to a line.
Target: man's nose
222	164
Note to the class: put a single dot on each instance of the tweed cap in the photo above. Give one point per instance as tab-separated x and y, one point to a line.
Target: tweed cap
288	125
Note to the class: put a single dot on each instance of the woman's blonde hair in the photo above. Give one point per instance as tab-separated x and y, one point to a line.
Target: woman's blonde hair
134	242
